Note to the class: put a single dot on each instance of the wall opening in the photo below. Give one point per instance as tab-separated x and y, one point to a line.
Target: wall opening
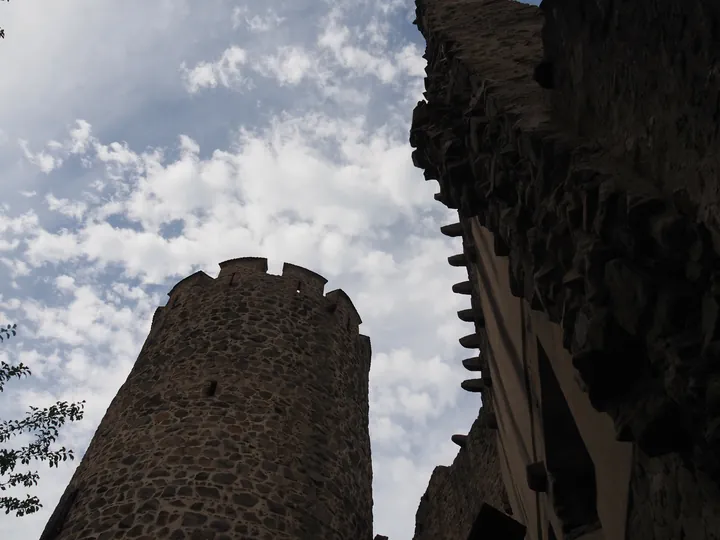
211	388
299	287
571	471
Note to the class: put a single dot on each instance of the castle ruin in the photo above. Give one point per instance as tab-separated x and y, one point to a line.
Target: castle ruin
578	143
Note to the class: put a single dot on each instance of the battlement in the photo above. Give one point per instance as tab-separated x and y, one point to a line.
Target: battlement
308	281
299	280
365	348
341	303
243	265
198	278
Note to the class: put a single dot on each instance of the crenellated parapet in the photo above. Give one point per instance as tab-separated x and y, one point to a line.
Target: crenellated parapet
342	306
243	266
240	274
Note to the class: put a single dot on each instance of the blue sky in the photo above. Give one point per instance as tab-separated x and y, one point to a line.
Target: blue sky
142	141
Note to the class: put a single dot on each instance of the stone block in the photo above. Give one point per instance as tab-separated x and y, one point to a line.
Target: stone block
452	230
243	265
475	385
460	440
471	341
198	279
476	363
308	282
466	315
537	477
464	287
458	260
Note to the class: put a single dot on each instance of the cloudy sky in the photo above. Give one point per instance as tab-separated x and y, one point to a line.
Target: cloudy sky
141	141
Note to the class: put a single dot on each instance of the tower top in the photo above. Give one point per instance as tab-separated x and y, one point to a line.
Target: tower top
305	281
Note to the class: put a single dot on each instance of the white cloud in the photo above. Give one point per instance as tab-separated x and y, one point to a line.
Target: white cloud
385	432
79	137
288	66
357	59
45	162
21	224
225	71
16	267
56	152
74	209
432	388
256	23
65	283
410	60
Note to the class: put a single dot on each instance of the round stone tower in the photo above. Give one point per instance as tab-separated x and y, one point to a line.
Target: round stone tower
244	417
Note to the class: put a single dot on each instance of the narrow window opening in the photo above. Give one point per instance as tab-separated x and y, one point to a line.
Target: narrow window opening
299	287
571	471
211	388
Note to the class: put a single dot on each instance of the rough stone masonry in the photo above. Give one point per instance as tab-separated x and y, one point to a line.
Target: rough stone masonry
584	136
244	417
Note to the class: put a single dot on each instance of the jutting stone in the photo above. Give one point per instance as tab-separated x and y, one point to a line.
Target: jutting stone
460	440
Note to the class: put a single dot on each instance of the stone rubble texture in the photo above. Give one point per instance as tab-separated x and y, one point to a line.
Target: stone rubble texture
456	493
602	193
280	451
657	102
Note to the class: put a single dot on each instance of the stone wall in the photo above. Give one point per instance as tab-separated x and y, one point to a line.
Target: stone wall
245	416
606	248
670	501
456	493
644	78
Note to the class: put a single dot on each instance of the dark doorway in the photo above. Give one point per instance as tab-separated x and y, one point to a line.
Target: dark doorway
571	472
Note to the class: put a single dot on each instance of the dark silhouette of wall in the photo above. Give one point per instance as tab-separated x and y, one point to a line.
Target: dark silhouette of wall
643	78
244	417
577	142
456	493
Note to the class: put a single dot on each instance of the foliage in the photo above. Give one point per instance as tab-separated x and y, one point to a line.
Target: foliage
45	423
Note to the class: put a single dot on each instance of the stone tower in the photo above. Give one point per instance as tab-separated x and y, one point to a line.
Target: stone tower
244	417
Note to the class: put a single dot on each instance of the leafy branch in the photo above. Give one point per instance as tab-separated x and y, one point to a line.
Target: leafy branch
45	423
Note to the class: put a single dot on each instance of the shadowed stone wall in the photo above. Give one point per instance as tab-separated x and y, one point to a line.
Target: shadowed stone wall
456	493
596	234
644	79
244	417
